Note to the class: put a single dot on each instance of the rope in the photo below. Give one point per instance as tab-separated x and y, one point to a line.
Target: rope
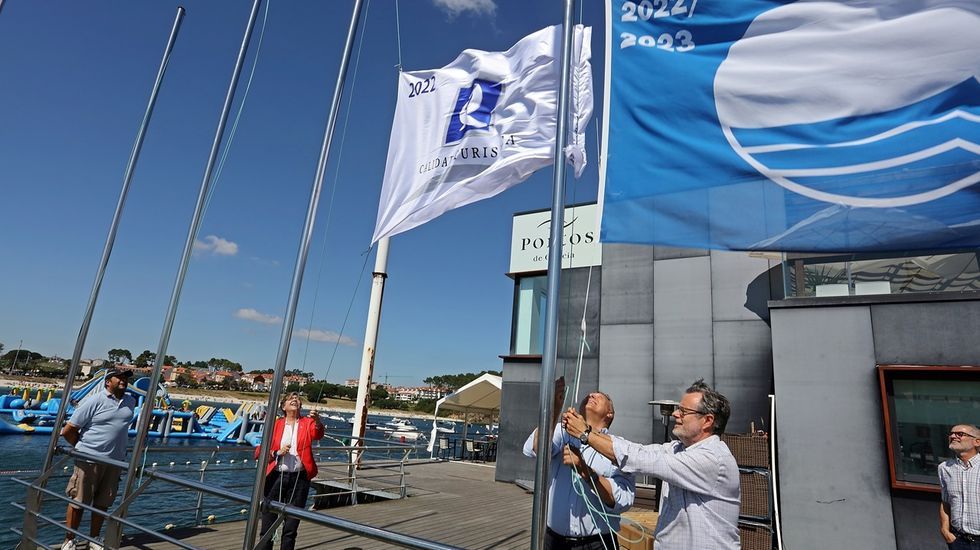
333	192
343	326
238	114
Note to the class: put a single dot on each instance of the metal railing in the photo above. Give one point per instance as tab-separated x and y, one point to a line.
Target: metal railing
390	457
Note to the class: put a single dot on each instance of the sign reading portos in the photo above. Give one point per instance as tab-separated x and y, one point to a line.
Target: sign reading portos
580	240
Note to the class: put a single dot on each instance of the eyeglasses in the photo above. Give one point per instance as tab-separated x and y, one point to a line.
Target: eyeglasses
961	435
684	411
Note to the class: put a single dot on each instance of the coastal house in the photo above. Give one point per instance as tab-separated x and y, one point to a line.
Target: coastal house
256	381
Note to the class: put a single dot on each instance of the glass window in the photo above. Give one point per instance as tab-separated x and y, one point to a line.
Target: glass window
531	296
921	405
853	274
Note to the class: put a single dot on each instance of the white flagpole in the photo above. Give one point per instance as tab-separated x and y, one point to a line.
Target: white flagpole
547	391
370	346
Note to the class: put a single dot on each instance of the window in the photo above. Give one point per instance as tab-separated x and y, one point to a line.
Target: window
861	274
920	405
530	300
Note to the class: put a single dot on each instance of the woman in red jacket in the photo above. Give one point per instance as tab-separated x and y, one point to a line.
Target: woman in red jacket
291	465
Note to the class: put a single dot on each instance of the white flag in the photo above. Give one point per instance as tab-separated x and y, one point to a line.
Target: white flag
480	125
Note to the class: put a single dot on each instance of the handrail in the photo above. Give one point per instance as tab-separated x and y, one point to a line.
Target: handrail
168	473
93	510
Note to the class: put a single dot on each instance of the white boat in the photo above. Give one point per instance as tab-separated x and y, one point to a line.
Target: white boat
445	429
336	417
407	435
402	425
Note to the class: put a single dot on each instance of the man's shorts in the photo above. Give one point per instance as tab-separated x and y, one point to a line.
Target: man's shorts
94	484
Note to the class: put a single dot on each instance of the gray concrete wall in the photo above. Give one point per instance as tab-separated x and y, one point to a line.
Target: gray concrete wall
518	416
626	356
917	522
928	333
833	476
741	340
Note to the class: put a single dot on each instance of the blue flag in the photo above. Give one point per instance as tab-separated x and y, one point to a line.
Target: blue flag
812	126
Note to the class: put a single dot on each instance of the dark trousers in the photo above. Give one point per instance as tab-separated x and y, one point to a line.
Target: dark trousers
962	544
290	488
554	541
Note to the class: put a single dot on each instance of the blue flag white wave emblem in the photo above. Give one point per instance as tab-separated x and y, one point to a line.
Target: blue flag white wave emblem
817	126
474	108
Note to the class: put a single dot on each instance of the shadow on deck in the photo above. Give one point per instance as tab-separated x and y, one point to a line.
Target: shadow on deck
455	503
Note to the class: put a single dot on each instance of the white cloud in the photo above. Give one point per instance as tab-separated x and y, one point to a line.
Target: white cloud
213	244
250	314
325	336
456	7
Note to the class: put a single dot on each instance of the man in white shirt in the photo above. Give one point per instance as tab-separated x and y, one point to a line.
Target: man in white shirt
959	481
701	501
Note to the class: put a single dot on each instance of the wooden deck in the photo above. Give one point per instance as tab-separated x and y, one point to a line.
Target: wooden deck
455	503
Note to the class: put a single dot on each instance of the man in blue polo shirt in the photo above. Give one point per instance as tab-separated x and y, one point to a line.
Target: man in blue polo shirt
99	426
587	517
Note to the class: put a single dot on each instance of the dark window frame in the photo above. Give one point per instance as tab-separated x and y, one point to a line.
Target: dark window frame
886	374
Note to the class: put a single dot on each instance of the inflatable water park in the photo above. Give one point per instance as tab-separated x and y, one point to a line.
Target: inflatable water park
26	411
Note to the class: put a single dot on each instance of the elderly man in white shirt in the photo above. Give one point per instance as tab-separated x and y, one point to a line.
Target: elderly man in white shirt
959	481
701	501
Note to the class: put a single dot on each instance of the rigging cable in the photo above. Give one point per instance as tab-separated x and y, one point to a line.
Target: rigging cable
398	35
238	114
330	202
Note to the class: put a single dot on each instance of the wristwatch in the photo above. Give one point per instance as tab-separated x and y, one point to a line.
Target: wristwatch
584	438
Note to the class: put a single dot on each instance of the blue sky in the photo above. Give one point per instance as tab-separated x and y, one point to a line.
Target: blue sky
76	78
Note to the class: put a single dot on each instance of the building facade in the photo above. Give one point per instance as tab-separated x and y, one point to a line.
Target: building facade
856	452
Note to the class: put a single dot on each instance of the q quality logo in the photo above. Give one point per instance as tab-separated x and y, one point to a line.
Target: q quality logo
831	100
473	110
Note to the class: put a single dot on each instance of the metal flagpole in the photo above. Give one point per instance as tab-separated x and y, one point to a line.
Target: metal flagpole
290	316
370	346
33	498
547	392
114	529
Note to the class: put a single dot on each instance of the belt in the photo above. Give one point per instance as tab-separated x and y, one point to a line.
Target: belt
576	540
966	536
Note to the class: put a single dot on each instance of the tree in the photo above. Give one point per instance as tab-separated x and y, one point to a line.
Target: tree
379	394
146	358
116	355
224	364
258	371
21	358
169	360
455	381
1	348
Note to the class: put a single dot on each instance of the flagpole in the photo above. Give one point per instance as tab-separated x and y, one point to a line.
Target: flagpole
34	498
370	346
547	390
290	316
114	529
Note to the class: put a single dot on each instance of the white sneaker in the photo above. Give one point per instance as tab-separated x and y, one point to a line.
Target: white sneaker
69	545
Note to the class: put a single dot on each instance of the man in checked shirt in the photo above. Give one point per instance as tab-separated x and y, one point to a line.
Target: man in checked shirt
700	506
959	479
